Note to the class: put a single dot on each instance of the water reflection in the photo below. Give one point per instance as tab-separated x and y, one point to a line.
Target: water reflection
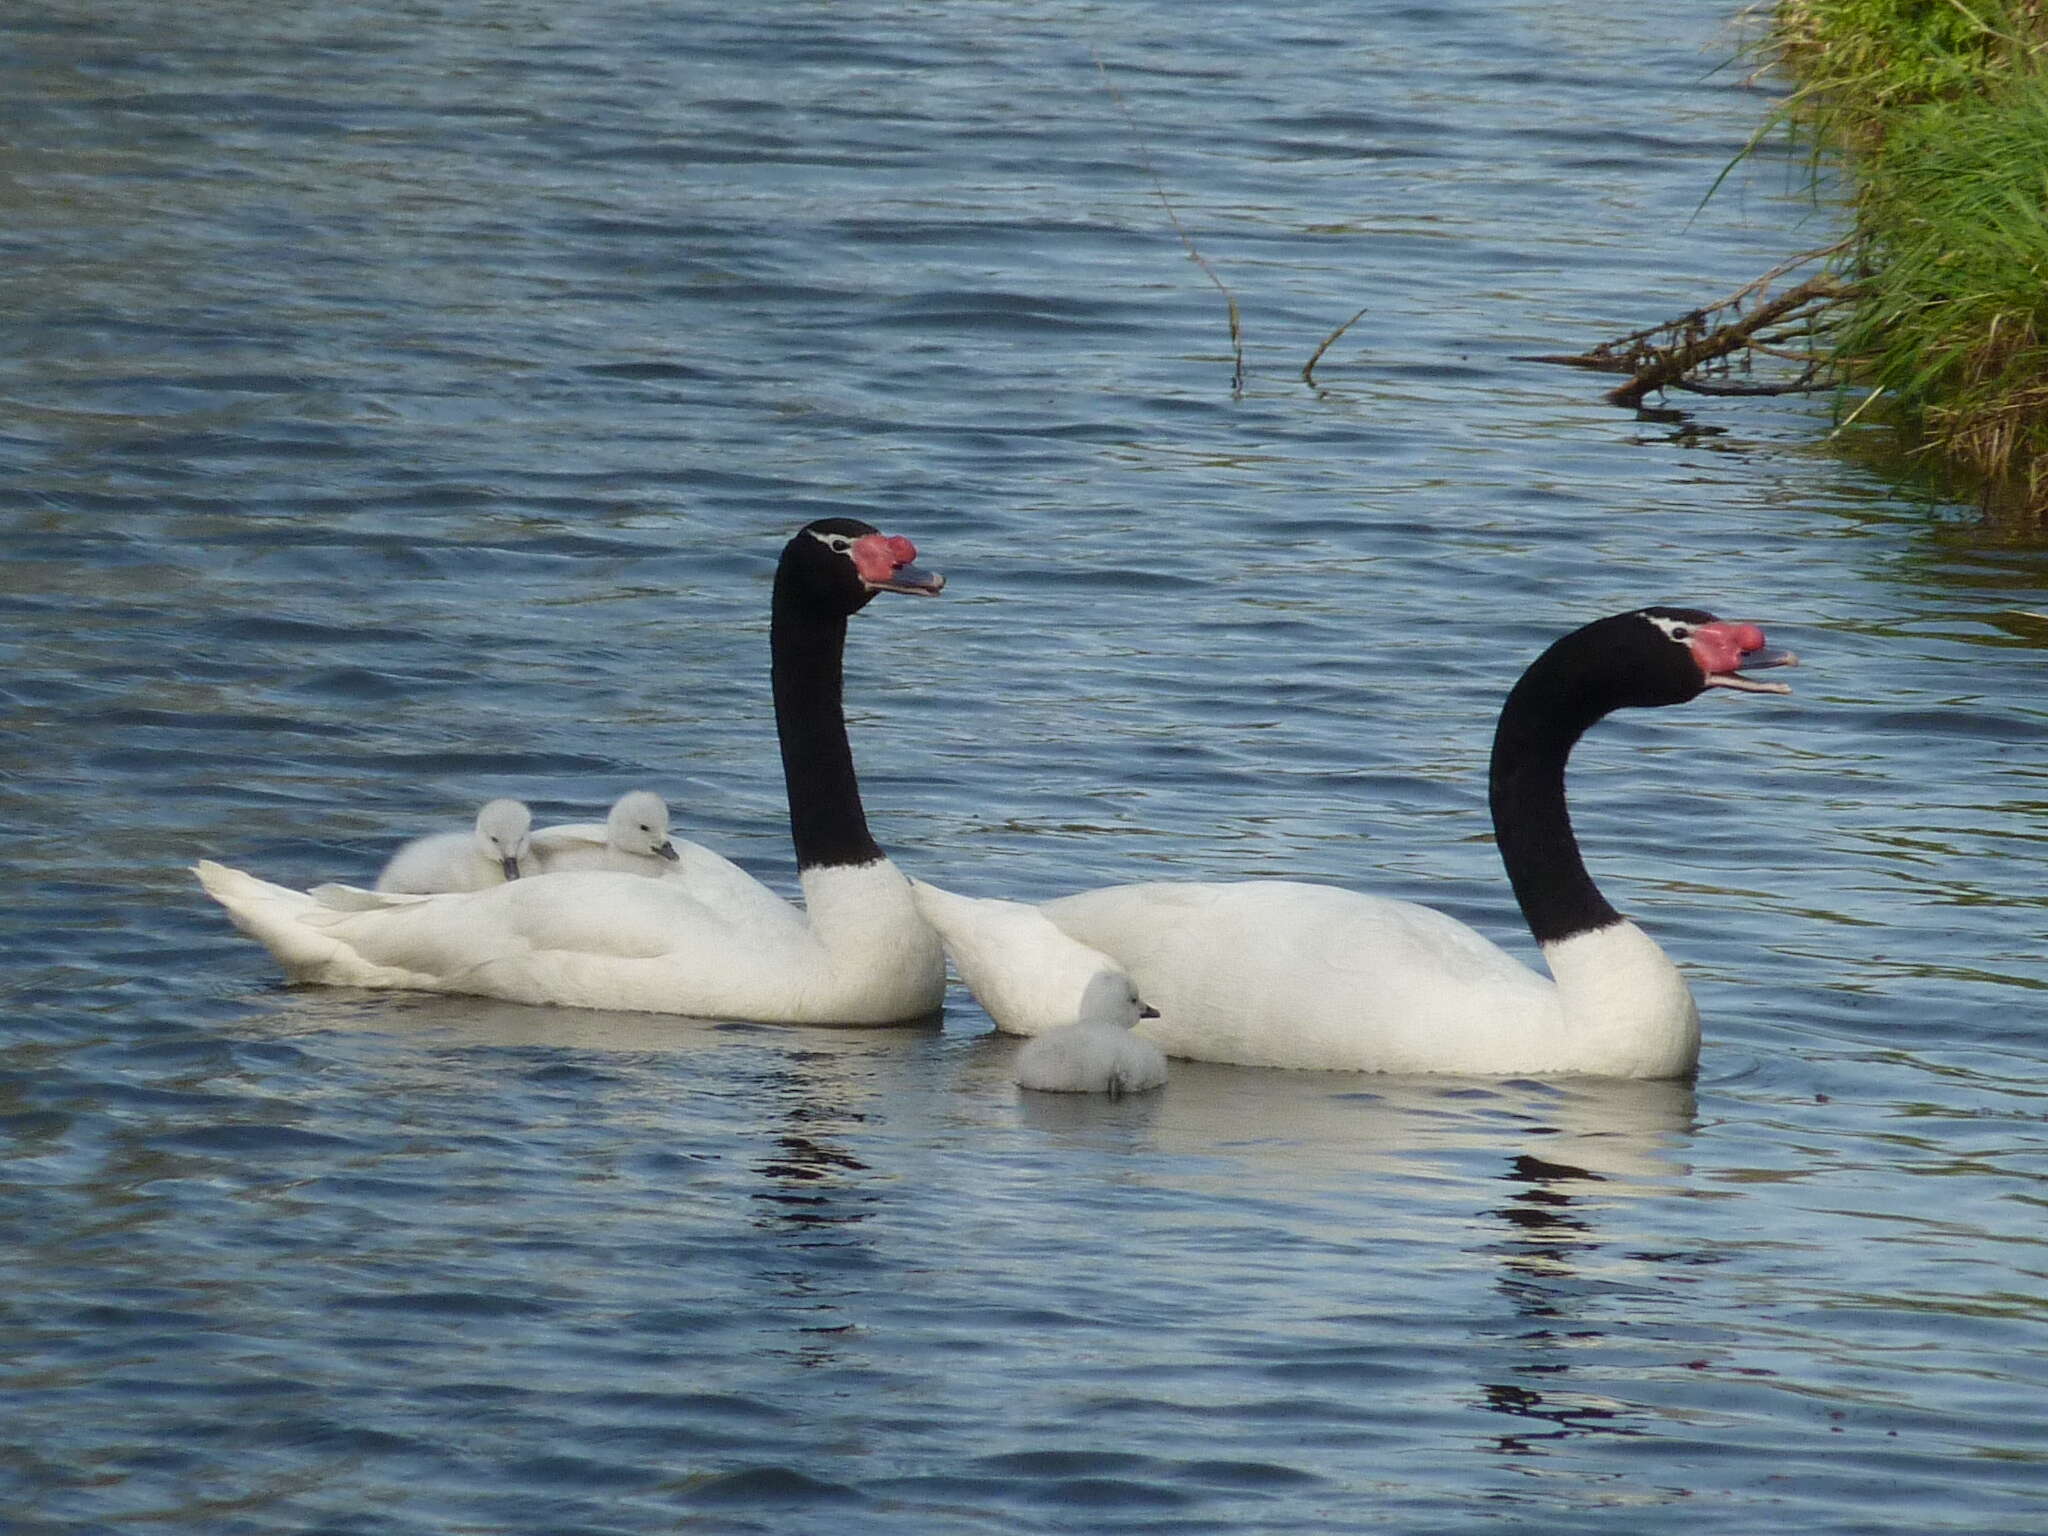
1553	1238
1358	1126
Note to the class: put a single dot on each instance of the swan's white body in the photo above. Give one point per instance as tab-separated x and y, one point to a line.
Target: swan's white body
1282	974
597	939
472	860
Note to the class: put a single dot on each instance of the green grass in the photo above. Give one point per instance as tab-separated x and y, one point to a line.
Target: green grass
1863	59
1953	322
1938	110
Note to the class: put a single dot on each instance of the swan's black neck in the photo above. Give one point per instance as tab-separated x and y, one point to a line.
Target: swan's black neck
1545	714
807	644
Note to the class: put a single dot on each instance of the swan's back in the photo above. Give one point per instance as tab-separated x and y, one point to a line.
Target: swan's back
711	878
582	845
1284	974
727	889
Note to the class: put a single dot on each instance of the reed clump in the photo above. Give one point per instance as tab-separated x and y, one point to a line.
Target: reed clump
1938	112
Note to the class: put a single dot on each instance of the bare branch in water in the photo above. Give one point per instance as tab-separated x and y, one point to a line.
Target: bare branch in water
1694	351
1308	369
1187	241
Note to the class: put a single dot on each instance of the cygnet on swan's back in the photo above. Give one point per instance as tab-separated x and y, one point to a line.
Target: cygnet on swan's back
1098	1053
497	849
633	839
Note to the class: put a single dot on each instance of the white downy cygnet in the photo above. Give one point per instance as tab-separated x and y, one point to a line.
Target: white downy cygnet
1097	1053
632	839
495	850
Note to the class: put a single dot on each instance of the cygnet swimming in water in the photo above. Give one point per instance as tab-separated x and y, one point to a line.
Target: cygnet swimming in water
1033	980
632	839
497	849
1097	1053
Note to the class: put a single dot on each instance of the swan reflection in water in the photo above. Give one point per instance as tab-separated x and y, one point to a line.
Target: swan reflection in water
1527	1181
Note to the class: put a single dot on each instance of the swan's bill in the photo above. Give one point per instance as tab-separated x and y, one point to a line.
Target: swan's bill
887	563
1756	660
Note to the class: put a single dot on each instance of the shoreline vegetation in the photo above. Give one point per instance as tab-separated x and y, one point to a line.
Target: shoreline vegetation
1931	315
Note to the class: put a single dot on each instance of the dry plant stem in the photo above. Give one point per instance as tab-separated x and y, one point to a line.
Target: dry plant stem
1187	242
1673	366
1308	369
1695	342
1667	356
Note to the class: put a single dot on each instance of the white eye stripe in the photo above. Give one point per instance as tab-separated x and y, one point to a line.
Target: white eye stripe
1678	629
839	543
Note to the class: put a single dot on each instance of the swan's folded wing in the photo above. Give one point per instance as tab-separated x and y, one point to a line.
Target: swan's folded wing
736	896
1280	973
336	897
583	913
608	915
570	837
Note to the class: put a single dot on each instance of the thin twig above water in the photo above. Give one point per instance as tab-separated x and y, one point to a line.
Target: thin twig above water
1186	240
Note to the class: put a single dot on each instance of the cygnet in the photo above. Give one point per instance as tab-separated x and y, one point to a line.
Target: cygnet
497	849
634	839
1097	1053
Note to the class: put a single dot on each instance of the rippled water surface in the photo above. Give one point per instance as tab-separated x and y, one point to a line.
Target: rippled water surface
402	405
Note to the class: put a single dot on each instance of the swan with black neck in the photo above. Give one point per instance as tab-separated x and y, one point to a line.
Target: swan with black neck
1284	974
858	954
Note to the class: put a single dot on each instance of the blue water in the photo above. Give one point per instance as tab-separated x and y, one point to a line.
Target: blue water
402	406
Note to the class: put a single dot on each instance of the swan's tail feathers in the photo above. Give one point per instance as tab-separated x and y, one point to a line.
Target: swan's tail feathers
942	909
273	916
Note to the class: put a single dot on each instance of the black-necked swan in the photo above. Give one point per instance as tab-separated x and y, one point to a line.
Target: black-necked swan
1282	974
633	839
497	849
860	954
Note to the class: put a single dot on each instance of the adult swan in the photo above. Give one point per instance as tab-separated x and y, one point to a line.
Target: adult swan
1280	974
600	939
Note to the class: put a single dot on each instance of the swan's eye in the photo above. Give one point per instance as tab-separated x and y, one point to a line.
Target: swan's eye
838	543
1679	630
